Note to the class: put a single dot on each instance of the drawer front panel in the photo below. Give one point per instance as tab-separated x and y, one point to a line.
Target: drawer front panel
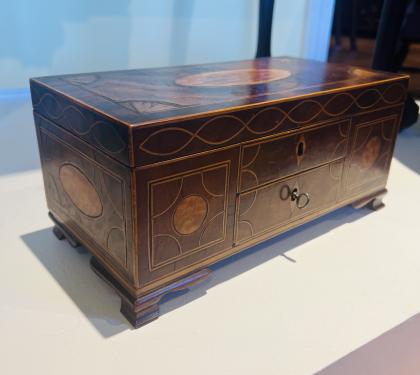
188	209
271	206
272	159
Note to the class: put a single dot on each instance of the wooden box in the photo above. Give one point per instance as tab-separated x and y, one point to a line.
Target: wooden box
160	173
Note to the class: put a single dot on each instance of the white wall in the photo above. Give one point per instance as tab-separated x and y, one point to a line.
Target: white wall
43	37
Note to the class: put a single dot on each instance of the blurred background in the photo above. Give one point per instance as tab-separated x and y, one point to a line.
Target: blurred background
354	33
47	37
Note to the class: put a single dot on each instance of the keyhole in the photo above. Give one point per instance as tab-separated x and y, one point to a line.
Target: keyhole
300	149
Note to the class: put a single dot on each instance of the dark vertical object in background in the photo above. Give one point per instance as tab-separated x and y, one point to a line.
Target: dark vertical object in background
392	16
353	29
337	24
384	58
345	11
264	28
410	33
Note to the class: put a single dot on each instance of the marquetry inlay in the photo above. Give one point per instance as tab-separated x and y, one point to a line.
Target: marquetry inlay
190	214
238	77
371	152
91	198
80	190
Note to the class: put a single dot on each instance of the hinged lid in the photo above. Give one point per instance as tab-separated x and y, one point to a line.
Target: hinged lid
148	115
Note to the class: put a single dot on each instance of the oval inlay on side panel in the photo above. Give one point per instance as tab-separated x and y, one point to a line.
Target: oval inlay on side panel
371	152
80	190
190	214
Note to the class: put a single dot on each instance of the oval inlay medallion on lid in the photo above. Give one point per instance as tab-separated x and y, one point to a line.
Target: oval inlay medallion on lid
80	190
236	77
190	214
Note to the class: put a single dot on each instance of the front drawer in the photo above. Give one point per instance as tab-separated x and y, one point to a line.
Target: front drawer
268	160
272	206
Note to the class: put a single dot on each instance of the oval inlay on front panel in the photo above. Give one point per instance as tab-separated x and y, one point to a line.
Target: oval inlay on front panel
190	214
371	152
80	190
236	77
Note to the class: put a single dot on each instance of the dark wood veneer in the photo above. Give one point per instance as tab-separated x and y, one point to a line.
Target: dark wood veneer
160	173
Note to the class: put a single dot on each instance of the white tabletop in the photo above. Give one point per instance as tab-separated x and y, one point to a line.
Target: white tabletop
294	305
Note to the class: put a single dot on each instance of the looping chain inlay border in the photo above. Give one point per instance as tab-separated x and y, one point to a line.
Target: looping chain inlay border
56	111
329	109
